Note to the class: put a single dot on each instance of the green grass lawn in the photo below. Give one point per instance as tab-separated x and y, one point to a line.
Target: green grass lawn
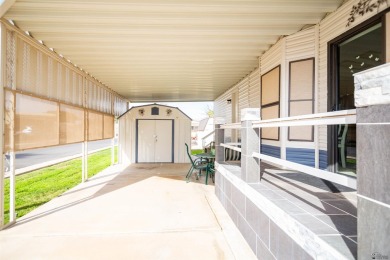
38	187
197	151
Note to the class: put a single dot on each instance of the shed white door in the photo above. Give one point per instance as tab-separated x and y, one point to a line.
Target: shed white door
154	141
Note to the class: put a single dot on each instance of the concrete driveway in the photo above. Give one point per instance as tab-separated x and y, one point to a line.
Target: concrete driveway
145	211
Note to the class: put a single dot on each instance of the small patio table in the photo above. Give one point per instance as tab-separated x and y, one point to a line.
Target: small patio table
210	157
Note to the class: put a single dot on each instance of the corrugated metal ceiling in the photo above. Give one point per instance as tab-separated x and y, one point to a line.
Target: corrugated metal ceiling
159	50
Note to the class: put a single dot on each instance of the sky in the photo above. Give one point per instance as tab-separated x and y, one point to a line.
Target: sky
195	110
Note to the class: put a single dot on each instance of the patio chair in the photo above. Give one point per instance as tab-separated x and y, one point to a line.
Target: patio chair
197	164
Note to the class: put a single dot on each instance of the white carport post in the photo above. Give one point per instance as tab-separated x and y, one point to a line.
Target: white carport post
10	105
12	215
10	108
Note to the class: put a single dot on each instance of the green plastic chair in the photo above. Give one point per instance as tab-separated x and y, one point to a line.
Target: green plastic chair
197	164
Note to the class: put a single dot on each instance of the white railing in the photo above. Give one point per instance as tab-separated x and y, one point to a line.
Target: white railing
331	118
232	147
231	126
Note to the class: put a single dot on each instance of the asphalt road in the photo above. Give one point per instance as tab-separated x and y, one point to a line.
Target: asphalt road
35	156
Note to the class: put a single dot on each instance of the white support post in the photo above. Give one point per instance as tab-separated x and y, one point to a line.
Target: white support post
10	114
12	207
219	139
250	166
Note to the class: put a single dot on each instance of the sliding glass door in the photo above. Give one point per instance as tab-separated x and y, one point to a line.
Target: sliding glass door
354	52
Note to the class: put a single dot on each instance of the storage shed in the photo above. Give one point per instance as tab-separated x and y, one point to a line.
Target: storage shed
154	134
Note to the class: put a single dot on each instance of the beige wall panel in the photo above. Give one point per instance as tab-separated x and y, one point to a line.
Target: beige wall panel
108	127
36	123
301	79
95	126
254	89
270	86
270	132
298	108
301	133
71	124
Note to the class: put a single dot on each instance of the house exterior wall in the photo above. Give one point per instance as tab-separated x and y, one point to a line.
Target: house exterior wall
127	132
308	43
254	88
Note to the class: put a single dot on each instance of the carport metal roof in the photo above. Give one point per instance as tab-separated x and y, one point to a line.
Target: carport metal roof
165	50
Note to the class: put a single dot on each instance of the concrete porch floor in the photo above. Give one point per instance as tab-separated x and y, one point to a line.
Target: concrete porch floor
145	211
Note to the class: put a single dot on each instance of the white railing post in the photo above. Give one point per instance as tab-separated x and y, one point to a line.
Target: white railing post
250	142
219	139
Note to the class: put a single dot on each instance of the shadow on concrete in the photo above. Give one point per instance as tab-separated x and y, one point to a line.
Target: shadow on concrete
332	193
131	175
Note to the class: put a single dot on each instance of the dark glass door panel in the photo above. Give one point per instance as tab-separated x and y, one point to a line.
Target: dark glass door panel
358	52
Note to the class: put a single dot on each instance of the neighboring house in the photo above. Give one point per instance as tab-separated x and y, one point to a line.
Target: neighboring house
202	133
